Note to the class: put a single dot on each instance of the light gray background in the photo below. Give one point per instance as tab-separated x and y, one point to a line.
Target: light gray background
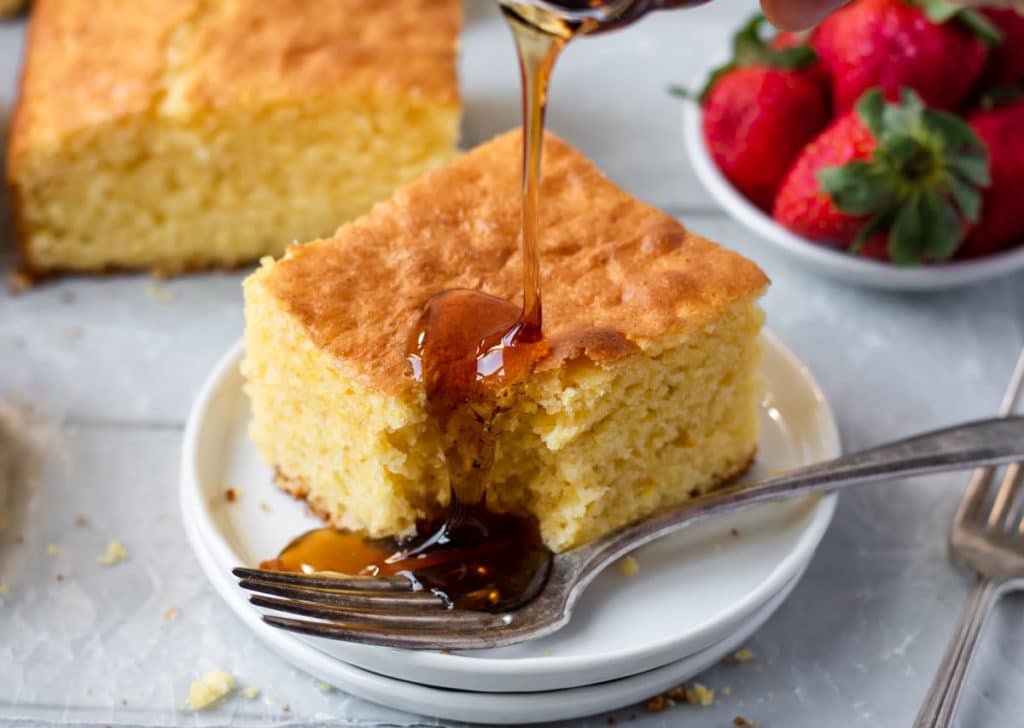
110	372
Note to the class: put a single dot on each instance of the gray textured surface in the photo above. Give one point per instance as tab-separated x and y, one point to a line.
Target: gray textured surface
110	371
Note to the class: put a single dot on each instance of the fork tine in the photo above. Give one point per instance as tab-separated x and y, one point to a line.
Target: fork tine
1006	497
352	599
973	504
405	639
454	620
329	580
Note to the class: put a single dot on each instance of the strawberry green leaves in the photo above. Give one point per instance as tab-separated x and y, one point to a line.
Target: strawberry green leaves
922	183
750	49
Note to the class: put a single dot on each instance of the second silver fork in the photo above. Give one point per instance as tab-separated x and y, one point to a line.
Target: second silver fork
988	541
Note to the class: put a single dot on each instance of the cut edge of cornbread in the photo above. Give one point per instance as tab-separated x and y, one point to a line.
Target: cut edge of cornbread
589	447
205	134
187	193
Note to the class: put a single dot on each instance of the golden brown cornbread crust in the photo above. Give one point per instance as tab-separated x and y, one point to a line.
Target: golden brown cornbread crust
615	270
94	62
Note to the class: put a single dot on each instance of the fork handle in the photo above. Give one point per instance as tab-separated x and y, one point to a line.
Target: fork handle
940	703
986	442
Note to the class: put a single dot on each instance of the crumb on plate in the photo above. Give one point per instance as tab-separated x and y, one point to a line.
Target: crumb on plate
51	549
629	566
210	690
251	692
740	722
115	554
743	655
171	613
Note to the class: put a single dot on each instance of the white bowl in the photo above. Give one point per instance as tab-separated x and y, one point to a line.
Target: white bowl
834	263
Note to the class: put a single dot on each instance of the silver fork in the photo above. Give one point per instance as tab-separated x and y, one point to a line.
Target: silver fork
388	611
988	541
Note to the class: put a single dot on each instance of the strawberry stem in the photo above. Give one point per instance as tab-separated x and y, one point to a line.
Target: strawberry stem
921	183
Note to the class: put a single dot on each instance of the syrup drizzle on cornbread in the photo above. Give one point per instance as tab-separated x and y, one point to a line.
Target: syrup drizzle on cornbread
472	354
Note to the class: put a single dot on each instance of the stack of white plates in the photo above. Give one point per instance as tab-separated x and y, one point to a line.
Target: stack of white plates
696	597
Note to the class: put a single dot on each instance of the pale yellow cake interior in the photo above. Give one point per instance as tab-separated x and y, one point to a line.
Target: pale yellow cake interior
588	449
203	133
646	396
225	187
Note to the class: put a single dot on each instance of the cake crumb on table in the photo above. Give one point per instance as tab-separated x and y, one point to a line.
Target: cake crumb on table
171	613
251	692
115	554
678	694
287	708
210	690
699	694
740	722
657	704
264	507
629	566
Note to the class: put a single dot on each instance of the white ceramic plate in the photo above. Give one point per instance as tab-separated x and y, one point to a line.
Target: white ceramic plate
819	258
692	590
475	707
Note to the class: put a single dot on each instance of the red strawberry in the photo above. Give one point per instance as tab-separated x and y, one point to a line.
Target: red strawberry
802	205
1002	223
899	179
759	112
1006	62
897	43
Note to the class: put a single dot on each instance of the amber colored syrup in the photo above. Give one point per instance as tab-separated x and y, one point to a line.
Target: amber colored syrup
472	352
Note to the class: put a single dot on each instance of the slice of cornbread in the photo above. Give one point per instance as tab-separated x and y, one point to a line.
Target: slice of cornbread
647	395
181	134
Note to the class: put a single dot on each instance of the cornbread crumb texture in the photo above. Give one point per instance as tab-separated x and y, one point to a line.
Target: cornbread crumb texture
251	693
115	553
208	691
629	566
744	655
695	694
206	133
646	397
